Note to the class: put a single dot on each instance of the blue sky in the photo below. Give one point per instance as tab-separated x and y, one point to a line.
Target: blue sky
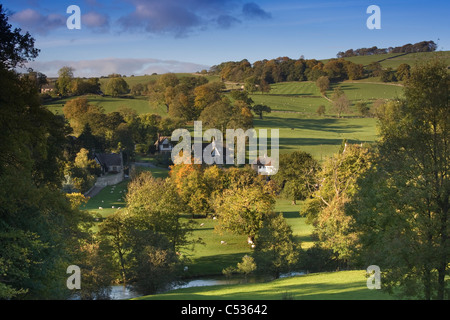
146	36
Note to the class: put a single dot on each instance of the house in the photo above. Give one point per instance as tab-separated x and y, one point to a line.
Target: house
163	144
110	162
263	166
215	151
48	88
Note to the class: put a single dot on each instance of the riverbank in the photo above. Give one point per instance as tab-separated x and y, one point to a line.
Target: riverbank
342	285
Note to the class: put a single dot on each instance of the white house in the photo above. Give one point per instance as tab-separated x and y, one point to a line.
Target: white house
163	145
264	166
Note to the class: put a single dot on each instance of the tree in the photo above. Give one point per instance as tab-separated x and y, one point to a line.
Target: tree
363	108
403	72
207	94
321	110
374	69
243	210
296	176
156	205
404	204
323	83
15	48
41	231
388	75
117	86
325	210
276	250
340	102
64	82
217	114
259	109
113	238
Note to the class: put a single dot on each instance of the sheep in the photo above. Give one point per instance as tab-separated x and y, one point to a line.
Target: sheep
223	242
202	224
100	208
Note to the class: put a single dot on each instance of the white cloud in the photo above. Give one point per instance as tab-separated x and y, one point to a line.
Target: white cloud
33	21
124	66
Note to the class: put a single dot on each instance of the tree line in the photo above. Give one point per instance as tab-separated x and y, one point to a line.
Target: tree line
423	46
260	74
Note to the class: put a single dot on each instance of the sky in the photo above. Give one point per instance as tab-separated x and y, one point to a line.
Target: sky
136	37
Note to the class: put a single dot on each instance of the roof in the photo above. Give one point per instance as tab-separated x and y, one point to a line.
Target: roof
266	161
109	159
161	140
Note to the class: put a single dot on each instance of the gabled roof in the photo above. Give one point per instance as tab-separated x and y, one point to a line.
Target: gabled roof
109	159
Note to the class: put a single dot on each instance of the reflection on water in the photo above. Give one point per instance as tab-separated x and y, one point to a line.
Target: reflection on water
120	293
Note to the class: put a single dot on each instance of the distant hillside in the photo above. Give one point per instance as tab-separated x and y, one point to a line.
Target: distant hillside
393	60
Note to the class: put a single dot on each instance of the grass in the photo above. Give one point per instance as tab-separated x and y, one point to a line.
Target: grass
319	136
342	285
393	60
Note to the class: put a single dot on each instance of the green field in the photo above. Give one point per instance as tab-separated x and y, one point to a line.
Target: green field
342	285
320	136
393	60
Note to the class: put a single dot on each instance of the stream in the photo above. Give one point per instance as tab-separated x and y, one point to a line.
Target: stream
118	292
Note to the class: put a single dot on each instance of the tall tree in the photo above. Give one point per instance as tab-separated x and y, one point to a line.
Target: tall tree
40	230
276	250
404	207
325	210
64	82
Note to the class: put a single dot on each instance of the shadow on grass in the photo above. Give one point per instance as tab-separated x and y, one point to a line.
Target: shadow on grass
214	264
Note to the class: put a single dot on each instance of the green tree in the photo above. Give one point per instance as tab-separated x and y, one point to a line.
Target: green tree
64	82
297	175
40	230
155	205
243	210
117	86
403	212
15	48
259	109
403	72
276	250
323	83
333	226
363	108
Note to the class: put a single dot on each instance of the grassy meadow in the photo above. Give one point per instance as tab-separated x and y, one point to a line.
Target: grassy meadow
342	285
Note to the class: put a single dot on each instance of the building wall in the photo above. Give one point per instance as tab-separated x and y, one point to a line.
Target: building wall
109	180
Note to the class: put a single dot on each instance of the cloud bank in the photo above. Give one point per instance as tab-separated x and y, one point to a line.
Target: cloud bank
104	67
